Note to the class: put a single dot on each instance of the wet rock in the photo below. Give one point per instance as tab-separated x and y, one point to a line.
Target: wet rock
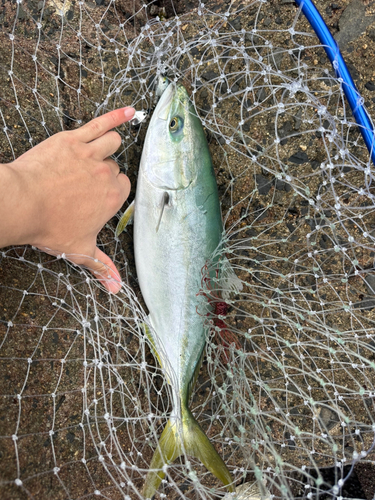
70	437
299	158
210	75
370	283
325	242
22	14
366	304
353	22
220	139
328	418
353	71
261	96
236	23
370	86
371	34
282	185
277	56
297	119
267	21
194	51
284	131
263	184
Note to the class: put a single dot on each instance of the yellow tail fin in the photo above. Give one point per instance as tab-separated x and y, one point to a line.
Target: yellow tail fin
189	437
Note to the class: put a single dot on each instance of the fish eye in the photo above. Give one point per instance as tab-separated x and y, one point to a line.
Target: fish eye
175	124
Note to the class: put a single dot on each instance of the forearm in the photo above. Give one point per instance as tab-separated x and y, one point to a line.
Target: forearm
16	207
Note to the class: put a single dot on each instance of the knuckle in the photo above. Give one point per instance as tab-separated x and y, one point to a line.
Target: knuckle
111	162
115	200
68	136
104	170
116	137
94	126
112	118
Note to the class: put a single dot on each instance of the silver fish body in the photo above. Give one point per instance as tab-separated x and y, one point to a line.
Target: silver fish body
177	228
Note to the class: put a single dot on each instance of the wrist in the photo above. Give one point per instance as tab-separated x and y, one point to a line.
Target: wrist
17	205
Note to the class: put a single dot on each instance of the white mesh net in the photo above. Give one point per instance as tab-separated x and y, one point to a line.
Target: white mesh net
286	392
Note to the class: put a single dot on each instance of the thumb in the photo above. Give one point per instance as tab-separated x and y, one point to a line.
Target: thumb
103	268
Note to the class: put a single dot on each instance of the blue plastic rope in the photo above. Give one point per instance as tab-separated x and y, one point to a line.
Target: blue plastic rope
333	52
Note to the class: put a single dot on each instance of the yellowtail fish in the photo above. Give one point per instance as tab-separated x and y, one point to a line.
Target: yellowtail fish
177	228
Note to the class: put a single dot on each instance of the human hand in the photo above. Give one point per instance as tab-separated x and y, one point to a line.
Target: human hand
68	190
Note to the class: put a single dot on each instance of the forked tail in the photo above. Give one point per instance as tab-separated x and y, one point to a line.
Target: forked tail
177	438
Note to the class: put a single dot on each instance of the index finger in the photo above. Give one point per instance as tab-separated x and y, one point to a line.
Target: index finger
99	126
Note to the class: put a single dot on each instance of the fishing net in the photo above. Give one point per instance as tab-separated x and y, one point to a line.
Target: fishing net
286	391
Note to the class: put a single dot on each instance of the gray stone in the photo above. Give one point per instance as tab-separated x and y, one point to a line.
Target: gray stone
277	57
22	14
284	131
367	304
210	75
282	185
353	22
263	184
267	21
298	119
370	283
299	158
328	418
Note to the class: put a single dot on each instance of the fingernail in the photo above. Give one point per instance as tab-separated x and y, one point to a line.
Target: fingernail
129	113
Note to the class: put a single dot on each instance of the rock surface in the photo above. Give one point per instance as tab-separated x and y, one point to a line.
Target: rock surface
353	22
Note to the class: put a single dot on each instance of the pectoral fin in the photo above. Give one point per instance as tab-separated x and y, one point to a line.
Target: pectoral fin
164	201
127	218
229	282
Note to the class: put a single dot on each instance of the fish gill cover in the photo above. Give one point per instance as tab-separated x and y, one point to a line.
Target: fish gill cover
286	391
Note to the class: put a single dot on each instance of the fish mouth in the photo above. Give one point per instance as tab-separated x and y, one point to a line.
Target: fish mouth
165	102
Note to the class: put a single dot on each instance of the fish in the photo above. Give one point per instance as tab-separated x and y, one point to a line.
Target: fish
161	84
177	229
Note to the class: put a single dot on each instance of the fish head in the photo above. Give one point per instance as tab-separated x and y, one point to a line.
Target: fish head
174	141
161	84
